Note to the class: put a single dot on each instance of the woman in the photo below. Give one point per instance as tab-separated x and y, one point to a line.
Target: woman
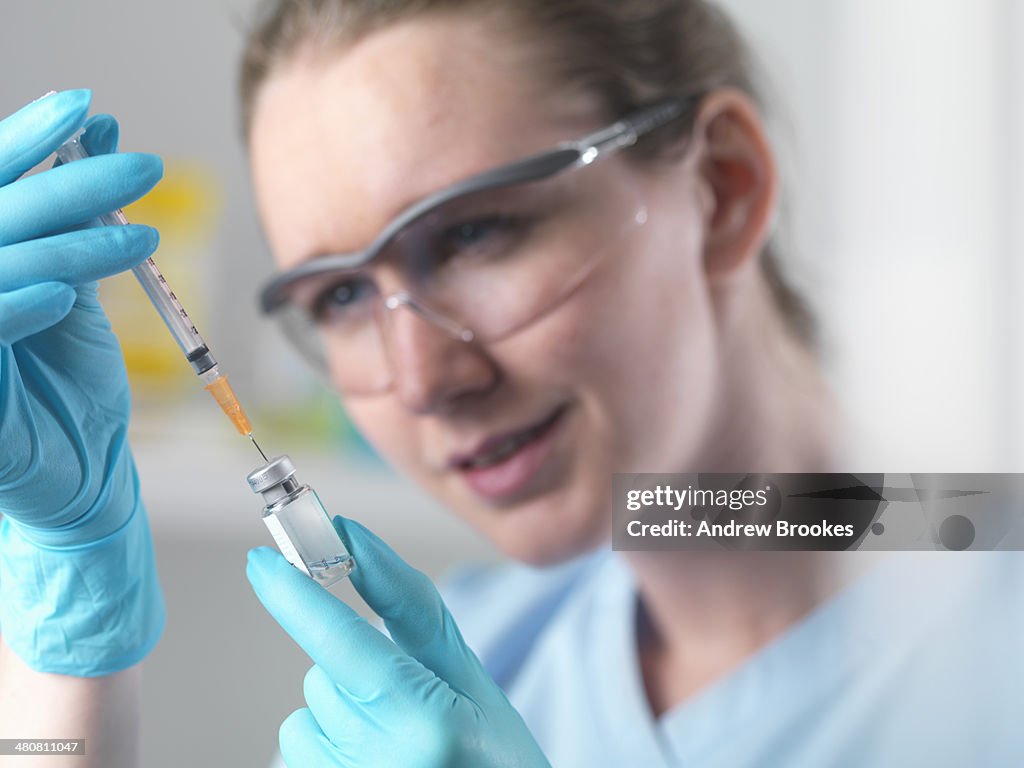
509	346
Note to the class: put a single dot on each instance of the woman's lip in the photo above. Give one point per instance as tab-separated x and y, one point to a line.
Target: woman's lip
512	474
463	461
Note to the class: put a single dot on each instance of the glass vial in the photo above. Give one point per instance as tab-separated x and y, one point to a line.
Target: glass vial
299	523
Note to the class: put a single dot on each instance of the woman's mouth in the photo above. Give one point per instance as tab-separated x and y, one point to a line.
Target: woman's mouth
502	465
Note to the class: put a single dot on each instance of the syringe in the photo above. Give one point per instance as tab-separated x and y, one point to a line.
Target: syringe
174	315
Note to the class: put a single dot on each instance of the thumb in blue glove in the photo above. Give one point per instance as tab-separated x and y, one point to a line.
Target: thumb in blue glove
420	699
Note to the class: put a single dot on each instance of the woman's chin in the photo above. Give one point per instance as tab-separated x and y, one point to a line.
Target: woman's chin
543	532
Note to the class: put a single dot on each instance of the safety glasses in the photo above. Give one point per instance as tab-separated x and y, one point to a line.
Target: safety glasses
480	259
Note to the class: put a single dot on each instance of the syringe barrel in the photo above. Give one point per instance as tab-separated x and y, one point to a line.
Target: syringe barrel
153	282
163	298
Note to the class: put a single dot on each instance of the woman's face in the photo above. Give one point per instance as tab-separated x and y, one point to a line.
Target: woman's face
520	437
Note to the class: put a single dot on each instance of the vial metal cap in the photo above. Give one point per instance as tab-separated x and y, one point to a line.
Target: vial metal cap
273	473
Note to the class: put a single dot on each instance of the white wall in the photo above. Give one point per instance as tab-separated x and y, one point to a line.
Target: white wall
917	264
907	119
1011	212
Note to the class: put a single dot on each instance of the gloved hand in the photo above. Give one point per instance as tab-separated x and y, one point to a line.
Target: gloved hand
419	700
78	587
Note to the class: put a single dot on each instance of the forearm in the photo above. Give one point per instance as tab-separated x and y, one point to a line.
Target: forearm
102	711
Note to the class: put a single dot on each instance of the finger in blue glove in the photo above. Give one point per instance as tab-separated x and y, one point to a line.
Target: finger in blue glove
35	131
34	308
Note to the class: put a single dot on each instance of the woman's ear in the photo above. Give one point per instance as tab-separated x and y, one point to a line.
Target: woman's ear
739	181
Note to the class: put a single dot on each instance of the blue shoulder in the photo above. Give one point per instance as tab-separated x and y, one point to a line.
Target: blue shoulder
502	610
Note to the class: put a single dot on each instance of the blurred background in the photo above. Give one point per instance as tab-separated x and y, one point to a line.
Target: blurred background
899	123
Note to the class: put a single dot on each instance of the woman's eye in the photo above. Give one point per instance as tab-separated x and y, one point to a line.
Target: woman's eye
480	234
342	299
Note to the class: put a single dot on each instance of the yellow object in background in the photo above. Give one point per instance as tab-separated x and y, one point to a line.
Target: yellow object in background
183	206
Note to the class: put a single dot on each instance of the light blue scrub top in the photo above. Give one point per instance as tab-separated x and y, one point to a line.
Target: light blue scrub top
919	663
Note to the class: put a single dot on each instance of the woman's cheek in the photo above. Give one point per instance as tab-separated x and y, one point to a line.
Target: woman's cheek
390	431
639	342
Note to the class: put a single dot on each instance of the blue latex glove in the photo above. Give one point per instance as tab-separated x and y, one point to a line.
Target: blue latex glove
78	587
419	700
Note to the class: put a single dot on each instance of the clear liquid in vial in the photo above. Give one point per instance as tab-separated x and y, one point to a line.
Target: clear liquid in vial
307	538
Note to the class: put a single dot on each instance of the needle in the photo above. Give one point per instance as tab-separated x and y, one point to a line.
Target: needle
257	446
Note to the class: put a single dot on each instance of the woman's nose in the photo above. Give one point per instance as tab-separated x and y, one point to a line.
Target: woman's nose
433	367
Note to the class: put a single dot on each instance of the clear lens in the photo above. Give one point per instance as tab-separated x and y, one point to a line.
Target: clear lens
489	262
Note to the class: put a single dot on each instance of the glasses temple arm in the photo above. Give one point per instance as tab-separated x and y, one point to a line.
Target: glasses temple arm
626	132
